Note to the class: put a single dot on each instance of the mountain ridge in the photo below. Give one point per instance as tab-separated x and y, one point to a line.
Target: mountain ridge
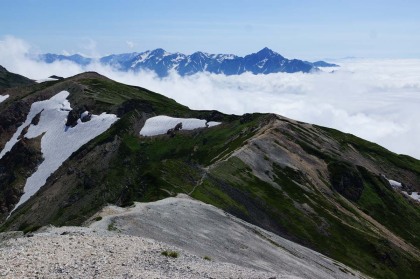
265	61
9	80
316	186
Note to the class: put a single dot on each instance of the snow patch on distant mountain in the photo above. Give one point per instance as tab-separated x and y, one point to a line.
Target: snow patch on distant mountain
162	62
3	97
159	125
58	141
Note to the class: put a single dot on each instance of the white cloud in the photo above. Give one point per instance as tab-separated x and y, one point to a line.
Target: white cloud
89	47
375	99
130	44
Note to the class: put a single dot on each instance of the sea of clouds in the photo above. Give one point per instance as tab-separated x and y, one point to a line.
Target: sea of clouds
378	100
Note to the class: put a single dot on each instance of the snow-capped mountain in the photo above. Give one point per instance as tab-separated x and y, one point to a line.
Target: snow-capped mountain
264	61
76	58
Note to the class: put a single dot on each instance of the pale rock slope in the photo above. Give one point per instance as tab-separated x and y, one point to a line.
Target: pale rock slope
205	230
74	252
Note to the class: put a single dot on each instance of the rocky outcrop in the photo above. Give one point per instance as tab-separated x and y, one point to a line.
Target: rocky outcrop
346	180
15	167
11	118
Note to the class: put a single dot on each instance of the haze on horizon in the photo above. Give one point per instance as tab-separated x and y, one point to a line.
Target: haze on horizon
303	29
375	98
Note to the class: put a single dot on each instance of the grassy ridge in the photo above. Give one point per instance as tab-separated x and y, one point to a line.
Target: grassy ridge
120	167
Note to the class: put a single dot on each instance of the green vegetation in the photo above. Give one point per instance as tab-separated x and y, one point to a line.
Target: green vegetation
119	167
389	208
207	258
28	228
169	253
112	227
374	150
327	230
8	79
107	93
346	180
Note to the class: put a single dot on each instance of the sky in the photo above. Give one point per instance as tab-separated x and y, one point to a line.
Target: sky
305	29
375	96
376	99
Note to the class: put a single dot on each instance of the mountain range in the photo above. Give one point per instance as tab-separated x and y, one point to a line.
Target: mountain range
260	191
162	63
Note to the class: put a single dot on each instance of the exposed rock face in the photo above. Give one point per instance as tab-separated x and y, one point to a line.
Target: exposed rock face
15	167
346	180
72	118
11	118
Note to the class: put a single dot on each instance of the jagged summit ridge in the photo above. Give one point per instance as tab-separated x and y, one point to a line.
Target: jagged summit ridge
265	61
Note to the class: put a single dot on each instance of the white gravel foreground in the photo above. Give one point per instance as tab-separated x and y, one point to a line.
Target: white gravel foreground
204	230
77	252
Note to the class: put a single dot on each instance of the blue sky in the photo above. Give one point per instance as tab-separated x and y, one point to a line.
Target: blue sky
307	29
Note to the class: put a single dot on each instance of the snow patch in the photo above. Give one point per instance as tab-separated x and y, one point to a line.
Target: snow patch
58	141
45	79
413	195
395	184
159	125
178	58
56	102
3	97
142	57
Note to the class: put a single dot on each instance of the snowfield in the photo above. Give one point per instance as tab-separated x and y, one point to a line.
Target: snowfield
58	141
398	185
159	125
395	184
3	97
413	195
204	230
45	79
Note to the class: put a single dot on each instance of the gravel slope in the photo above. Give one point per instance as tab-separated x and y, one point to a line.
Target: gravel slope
74	252
205	230
128	243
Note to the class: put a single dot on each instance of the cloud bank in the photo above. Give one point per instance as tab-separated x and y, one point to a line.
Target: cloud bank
378	100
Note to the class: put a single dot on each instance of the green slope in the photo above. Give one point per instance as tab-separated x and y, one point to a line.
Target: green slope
9	80
287	184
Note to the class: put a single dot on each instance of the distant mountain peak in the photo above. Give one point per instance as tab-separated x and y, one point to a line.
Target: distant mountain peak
266	50
158	51
265	61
